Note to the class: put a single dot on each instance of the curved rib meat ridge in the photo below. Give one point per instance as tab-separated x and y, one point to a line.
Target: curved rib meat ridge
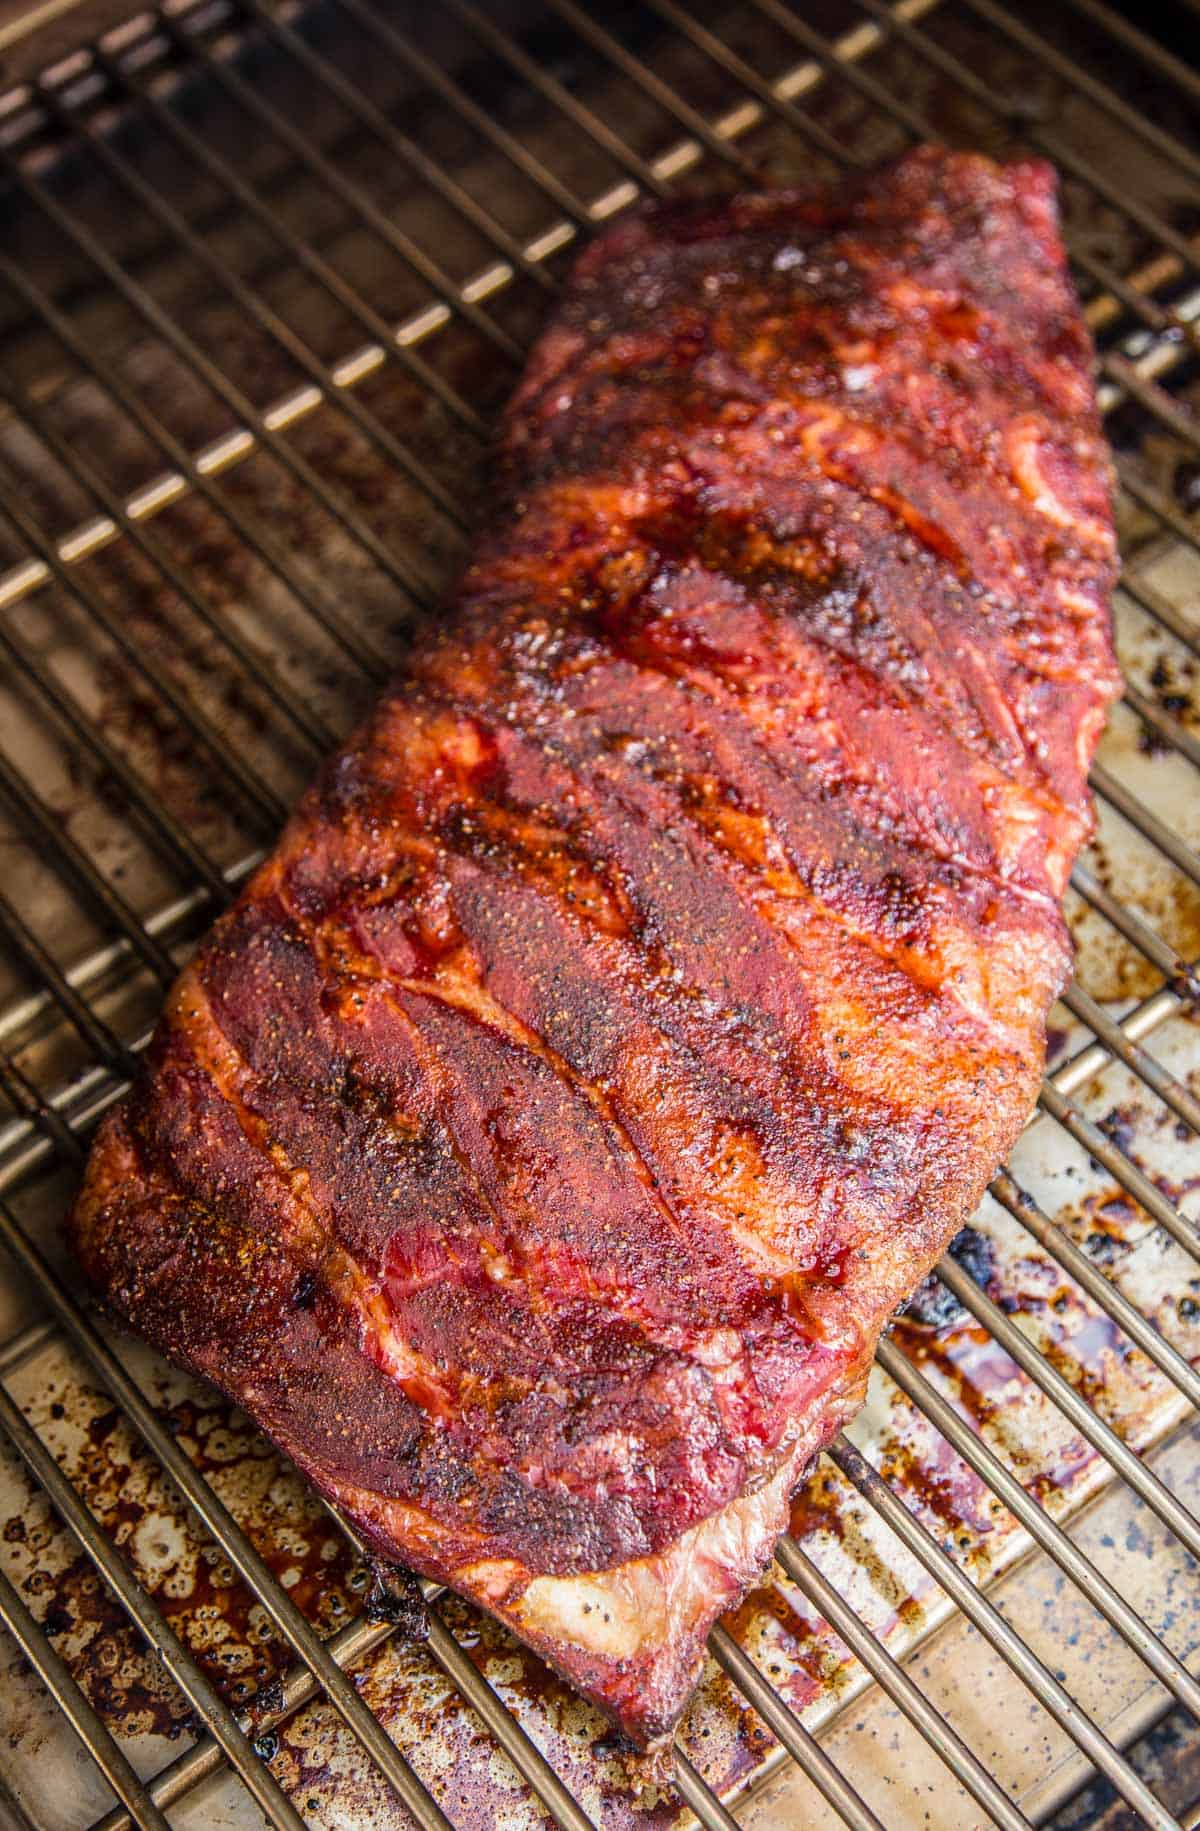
633	1011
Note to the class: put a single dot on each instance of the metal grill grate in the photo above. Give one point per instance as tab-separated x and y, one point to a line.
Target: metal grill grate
214	305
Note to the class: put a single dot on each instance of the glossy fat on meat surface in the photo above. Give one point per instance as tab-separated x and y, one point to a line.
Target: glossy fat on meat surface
633	1011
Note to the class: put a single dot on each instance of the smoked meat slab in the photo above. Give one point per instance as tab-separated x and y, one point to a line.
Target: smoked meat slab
632	1012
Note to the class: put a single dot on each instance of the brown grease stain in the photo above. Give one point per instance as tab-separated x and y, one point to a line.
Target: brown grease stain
217	1619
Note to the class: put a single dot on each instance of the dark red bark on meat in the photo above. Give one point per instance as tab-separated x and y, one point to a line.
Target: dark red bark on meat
633	1011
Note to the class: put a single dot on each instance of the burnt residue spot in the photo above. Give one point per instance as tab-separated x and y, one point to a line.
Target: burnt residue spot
1186	483
57	1620
1120	1125
931	1305
818	1506
1173	685
1185	982
976	1253
266	1746
101	1427
1056	1043
268	1700
610	1746
305	1293
1112	1213
395	1597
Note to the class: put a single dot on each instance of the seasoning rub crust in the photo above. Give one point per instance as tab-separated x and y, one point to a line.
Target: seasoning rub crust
632	1012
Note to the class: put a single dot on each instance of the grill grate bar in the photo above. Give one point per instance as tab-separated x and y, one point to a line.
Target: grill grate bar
207	371
1167	727
695	1792
1153	54
518	156
1037	1522
395	344
1024	1209
748	78
166	923
719	144
1037	1367
91	1029
790	1732
504	1727
25	1098
597	131
250	300
265	804
1150	498
258	1779
1134	1181
1150	395
1137	932
1165	321
455	300
172	838
478	1693
1105	98
1170	1091
52	1669
360	1637
1003	1639
77	869
1148	824
1163	612
330	78
1141	1021
327	276
147	542
192	472
966	1767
